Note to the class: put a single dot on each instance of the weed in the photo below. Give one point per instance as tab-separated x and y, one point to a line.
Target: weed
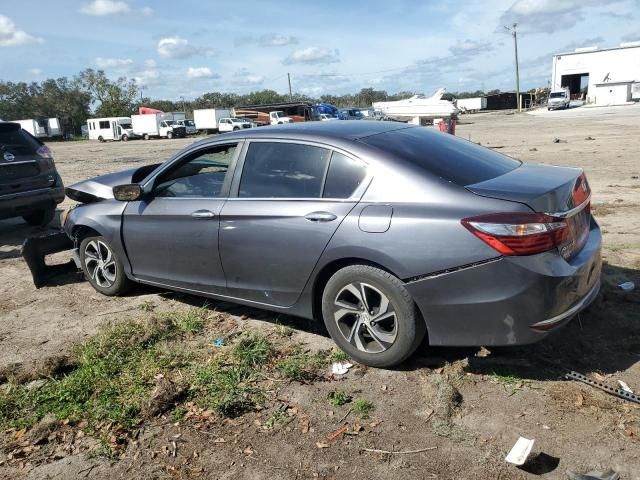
338	356
510	381
253	350
363	408
300	366
147	306
338	398
283	330
277	417
190	321
228	389
178	413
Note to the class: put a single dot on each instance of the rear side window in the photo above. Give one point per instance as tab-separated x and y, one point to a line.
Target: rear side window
104	124
344	176
16	141
451	158
283	170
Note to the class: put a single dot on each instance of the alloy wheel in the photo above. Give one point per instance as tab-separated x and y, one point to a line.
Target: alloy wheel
100	263
365	317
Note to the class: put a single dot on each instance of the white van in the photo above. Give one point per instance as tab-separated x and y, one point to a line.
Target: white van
110	128
559	99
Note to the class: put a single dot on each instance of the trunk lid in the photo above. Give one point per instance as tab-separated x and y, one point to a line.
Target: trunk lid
560	192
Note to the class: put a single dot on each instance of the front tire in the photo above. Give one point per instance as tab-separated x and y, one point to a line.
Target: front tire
40	218
102	267
169	135
101	139
371	316
125	138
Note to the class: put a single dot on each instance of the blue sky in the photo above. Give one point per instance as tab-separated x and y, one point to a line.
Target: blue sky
188	47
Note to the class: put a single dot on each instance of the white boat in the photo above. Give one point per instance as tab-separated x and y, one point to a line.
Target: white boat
419	108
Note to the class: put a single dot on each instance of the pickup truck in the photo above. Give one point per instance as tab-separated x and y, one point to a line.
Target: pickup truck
232	124
189	126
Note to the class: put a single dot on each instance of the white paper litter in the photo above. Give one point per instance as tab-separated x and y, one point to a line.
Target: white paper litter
520	451
340	368
624	386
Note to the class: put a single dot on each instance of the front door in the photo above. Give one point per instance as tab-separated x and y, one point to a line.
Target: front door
171	235
274	232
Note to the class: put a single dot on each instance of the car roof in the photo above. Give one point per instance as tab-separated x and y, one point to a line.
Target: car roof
341	130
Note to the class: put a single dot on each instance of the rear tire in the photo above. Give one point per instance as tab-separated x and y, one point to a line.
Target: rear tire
125	138
371	316
100	139
102	267
40	218
145	136
235	129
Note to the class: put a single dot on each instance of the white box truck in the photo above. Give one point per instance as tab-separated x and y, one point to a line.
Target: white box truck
110	128
209	118
154	125
471	104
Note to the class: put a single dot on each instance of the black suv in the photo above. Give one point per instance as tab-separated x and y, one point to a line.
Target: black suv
30	186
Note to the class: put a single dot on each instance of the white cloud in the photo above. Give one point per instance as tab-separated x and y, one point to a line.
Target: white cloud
245	77
312	55
113	62
12	37
545	16
277	40
176	47
147	74
36	72
101	8
469	48
201	72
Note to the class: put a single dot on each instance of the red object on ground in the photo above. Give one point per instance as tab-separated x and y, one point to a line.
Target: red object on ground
448	126
148	111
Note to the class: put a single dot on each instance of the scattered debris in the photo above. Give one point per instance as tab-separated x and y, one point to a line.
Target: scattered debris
627	286
218	342
322	445
483	352
589	138
40	432
610	390
520	451
398	452
624	386
558	140
340	368
332	436
534	149
608	475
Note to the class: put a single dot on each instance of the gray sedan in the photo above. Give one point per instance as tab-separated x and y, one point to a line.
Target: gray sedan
384	231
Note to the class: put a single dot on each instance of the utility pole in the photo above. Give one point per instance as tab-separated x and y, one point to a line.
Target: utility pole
182	98
290	94
514	34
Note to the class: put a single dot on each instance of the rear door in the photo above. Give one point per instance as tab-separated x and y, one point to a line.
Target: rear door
171	235
290	197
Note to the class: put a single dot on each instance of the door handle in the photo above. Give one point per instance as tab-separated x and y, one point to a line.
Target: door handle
320	216
203	214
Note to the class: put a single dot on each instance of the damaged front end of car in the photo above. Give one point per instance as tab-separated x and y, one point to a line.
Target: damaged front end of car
86	193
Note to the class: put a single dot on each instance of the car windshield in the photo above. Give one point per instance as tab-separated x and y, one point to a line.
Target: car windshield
189	123
170	122
556	95
126	126
451	158
237	119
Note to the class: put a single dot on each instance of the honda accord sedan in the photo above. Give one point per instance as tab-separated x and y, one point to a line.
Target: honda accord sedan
385	231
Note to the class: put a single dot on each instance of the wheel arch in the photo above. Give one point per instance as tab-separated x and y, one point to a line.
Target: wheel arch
327	271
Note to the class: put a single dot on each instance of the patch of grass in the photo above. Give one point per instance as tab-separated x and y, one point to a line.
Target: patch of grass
338	398
178	413
253	350
363	408
229	390
147	306
338	356
300	366
283	330
190	321
511	382
277	417
113	377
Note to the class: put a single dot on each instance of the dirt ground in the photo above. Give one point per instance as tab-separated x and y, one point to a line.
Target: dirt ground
469	406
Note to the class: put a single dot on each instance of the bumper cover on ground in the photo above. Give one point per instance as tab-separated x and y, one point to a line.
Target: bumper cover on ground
34	250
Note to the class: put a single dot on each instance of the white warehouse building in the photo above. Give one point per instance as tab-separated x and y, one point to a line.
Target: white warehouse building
607	76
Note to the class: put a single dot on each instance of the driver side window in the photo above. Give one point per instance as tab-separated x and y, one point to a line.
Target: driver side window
201	176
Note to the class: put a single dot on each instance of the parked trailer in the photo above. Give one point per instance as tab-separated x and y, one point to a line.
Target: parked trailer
158	125
209	118
472	104
110	128
46	127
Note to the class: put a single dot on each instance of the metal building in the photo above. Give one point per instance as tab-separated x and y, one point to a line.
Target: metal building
588	71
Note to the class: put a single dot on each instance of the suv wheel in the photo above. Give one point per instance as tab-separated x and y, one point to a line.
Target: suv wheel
371	316
102	267
40	218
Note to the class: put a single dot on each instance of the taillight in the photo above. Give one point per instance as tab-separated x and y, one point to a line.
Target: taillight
519	233
45	152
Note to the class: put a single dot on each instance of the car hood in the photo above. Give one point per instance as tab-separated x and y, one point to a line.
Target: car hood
101	188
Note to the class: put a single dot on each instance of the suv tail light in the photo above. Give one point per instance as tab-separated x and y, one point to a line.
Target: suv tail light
45	152
519	233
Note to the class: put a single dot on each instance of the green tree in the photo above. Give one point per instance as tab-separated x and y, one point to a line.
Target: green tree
116	98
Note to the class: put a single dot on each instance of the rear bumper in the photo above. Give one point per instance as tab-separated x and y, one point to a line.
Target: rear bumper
16	204
511	300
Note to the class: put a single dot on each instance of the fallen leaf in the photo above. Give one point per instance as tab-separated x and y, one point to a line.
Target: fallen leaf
219	440
579	400
322	445
248	451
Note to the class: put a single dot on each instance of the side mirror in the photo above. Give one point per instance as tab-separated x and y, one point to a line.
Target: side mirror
127	193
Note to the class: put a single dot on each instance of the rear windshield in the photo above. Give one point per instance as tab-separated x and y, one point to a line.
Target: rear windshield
17	141
556	95
446	156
